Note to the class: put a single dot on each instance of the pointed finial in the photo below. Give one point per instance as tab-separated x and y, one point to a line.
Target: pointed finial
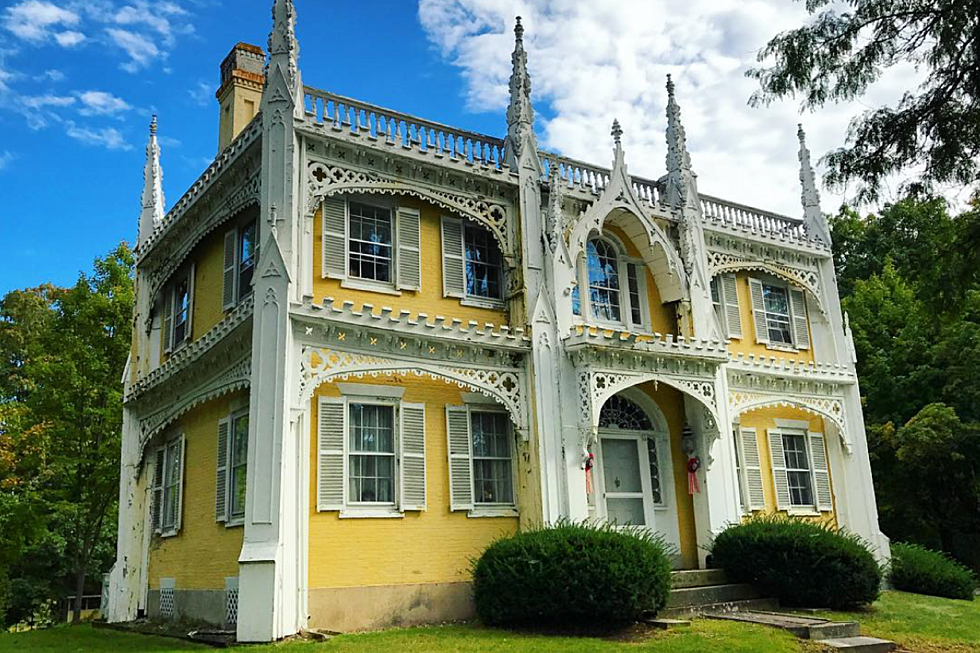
810	196
520	113
670	87
151	214
617	132
519	30
153	125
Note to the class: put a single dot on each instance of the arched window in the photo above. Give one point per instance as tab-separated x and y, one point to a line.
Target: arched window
616	286
621	413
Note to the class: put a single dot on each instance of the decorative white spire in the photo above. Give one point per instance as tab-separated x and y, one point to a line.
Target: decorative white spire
681	180
520	112
810	197
284	50
152	204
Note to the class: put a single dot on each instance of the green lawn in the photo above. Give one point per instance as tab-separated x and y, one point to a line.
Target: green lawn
920	623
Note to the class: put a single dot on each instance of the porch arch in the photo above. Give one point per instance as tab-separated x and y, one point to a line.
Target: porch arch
829	408
322	365
806	279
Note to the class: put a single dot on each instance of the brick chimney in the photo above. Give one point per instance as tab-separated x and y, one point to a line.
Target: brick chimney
242	78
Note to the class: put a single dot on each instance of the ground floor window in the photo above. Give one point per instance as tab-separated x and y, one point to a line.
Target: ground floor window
798	472
492	458
371	462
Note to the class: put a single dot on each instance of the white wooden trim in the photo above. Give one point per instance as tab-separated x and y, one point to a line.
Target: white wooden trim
369	390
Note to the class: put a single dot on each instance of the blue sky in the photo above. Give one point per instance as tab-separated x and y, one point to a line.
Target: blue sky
79	80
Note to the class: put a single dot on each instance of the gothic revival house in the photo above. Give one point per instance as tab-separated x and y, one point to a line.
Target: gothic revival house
368	344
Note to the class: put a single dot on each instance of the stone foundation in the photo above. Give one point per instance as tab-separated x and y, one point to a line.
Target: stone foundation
347	609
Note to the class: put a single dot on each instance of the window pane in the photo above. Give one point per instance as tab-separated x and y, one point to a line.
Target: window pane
372	478
490	435
181	309
635	308
628	511
621	466
602	263
654	471
240	443
492	479
372	428
777	314
484	268
370	242
246	259
238	479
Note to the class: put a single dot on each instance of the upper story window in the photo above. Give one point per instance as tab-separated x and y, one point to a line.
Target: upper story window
241	254
472	264
484	264
779	313
178	306
370	243
616	286
724	298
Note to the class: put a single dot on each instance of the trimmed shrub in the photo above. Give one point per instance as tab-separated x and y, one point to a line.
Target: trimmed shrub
917	569
570	575
799	562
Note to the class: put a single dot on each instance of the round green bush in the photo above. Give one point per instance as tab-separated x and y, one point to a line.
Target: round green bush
917	569
799	562
570	575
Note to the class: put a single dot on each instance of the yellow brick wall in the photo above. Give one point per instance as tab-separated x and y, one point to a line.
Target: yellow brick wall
433	546
671	403
428	300
763	419
662	317
203	552
747	344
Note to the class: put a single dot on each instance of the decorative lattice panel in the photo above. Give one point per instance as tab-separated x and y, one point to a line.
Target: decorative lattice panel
168	606
231	606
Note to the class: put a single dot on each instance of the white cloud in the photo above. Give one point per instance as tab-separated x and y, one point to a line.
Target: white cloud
140	48
51	75
592	62
5	76
69	38
37	21
202	93
5	158
100	103
108	137
46	101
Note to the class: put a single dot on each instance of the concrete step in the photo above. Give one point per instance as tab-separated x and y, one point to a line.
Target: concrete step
860	644
802	626
697	578
711	594
687	611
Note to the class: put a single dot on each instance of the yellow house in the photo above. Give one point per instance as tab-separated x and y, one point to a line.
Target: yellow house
368	344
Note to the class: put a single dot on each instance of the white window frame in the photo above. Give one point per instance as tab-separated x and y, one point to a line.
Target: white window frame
167	450
395	467
811	481
362	283
480	301
794	346
479	506
241	293
170	297
235	519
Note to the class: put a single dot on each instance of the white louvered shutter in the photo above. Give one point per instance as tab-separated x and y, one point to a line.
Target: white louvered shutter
156	501
759	312
408	224
733	319
752	470
460	458
779	478
221	474
168	319
821	475
179	499
331	431
453	267
797	307
228	277
190	303
334	262
412	441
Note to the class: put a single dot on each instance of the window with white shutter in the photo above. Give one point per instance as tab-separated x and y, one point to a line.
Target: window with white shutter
331	432
797	305
334	214
412	448
221	472
408	239
779	477
733	318
156	502
821	473
493	479
460	458
229	293
169	506
237	466
168	319
453	268
179	310
751	469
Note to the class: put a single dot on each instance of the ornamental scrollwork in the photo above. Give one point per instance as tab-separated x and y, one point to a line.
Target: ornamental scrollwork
319	365
720	262
323	180
831	408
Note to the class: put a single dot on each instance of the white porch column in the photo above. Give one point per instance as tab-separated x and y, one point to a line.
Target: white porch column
126	585
717	504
